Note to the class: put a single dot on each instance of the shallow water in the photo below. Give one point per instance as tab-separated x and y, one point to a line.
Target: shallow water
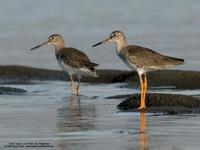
170	27
46	115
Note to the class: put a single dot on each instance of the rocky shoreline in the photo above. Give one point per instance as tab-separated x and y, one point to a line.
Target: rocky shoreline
11	91
163	103
21	74
178	79
160	103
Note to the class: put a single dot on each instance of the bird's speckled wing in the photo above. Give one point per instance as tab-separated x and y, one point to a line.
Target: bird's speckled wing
147	58
75	58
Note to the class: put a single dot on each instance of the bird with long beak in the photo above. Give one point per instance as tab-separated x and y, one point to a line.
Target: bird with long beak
71	60
141	59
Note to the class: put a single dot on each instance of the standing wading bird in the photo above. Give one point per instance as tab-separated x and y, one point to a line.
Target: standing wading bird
71	60
141	59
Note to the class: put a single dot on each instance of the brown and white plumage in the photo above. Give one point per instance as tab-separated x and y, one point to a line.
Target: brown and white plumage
71	60
76	62
140	58
148	59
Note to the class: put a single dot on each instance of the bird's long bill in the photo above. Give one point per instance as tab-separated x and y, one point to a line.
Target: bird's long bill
45	43
102	42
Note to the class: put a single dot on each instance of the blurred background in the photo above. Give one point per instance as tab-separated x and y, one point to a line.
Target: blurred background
170	27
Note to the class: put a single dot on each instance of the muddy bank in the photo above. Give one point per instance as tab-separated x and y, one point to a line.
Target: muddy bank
173	78
160	103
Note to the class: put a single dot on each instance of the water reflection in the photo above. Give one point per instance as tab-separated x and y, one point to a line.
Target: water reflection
77	121
143	142
75	115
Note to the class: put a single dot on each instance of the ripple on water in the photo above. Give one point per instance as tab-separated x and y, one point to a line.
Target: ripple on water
90	121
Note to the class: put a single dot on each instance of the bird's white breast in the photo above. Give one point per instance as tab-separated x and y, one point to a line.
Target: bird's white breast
77	71
65	67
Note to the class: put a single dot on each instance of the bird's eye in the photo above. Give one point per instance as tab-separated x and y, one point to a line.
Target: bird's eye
113	35
52	38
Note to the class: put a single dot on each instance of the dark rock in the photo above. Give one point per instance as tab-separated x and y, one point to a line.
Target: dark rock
160	103
169	78
23	75
11	91
14	74
163	78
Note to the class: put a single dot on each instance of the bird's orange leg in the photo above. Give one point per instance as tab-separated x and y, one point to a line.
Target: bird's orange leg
141	90
78	86
143	83
72	84
145	88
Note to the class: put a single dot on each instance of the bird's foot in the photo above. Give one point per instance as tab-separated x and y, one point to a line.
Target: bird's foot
142	108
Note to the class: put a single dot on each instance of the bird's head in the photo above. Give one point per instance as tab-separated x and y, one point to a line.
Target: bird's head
54	39
115	36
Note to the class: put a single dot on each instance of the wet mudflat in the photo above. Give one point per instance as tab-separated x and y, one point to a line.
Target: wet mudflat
46	114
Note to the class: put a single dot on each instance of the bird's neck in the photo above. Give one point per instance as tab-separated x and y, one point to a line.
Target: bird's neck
59	46
120	44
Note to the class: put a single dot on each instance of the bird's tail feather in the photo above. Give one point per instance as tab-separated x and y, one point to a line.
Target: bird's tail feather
173	60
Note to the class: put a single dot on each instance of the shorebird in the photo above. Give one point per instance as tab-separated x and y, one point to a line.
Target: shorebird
141	59
71	60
